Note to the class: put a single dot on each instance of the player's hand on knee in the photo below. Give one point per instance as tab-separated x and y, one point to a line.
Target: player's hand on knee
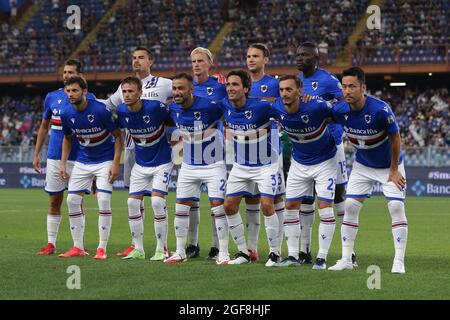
37	164
113	173
397	178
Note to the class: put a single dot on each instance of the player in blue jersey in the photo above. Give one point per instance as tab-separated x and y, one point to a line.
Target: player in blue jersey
153	88
313	165
145	120
54	185
100	148
255	145
319	83
196	119
210	87
267	87
372	129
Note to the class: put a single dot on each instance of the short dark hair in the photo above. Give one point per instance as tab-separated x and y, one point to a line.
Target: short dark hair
262	47
77	79
142	48
355	72
245	78
310	45
132	80
75	62
184	75
297	80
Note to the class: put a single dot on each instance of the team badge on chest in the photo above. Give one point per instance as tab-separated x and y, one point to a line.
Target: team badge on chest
90	118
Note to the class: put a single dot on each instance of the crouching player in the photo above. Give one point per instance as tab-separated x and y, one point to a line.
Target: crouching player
98	156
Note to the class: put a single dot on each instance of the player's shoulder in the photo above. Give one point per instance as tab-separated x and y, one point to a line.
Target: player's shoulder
277	105
377	105
122	108
56	94
322	73
271	79
341	107
165	81
258	102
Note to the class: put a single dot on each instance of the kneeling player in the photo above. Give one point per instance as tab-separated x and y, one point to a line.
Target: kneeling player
98	156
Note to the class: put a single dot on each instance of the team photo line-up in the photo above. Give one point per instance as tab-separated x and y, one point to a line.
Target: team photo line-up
247	113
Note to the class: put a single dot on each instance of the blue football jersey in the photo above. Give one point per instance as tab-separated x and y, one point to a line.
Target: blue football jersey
92	127
307	128
323	84
210	89
202	142
368	130
266	87
147	129
53	103
255	141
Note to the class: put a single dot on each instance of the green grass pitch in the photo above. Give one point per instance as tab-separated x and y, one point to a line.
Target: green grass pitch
28	276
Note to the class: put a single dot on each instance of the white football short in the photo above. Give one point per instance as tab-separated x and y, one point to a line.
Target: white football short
242	180
145	180
302	179
80	180
253	192
341	175
362	179
191	177
53	182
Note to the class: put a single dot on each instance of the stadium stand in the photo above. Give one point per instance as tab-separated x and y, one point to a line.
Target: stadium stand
411	32
171	29
24	51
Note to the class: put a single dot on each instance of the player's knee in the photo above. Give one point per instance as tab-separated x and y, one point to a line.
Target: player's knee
307	207
352	209
216	203
230	207
397	210
134	206
104	201
292	205
158	205
55	203
74	199
267	207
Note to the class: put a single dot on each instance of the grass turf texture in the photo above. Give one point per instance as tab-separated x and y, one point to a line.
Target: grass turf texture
25	275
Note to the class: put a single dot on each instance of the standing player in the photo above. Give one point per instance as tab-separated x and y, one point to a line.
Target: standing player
92	123
54	185
313	165
203	162
256	162
319	83
263	86
145	120
372	129
209	87
153	88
